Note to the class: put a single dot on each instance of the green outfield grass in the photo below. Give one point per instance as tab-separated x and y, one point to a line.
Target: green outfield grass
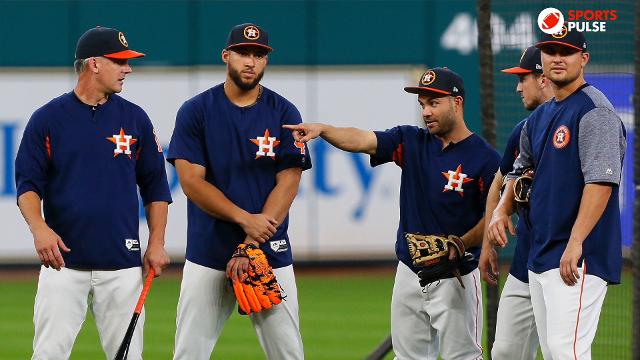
343	316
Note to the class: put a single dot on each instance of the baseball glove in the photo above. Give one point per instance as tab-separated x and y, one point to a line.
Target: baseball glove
258	289
522	188
431	252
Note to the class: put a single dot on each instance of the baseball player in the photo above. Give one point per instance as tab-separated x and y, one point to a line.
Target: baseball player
576	144
83	155
516	337
240	172
446	172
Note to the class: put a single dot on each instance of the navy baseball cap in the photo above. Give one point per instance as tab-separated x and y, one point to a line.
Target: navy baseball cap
438	80
530	62
574	39
104	41
248	35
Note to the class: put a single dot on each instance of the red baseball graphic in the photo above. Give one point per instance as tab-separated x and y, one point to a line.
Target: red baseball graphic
551	20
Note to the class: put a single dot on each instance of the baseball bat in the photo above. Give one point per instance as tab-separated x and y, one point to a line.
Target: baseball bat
123	350
382	350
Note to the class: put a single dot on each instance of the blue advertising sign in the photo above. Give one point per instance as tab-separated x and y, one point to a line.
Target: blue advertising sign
618	87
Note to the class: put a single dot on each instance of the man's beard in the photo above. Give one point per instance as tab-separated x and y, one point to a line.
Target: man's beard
244	86
563	81
446	123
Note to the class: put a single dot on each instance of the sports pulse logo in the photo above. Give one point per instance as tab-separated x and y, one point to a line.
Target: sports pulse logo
550	20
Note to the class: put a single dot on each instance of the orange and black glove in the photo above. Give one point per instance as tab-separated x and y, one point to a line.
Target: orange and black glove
257	289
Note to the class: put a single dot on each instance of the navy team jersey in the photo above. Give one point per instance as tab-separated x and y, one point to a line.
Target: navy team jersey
442	191
521	253
86	165
573	142
242	149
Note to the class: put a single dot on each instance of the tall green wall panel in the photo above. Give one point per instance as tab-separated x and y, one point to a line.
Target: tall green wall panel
43	33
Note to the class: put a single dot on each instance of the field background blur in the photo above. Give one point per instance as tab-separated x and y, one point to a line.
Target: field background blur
341	62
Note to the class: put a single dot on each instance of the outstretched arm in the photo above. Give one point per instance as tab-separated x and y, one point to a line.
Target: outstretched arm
347	139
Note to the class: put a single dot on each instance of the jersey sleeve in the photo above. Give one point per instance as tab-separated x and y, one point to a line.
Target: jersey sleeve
34	158
292	153
525	158
602	144
390	146
151	175
512	150
187	142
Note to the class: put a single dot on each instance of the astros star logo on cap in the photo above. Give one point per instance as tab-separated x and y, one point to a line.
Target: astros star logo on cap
123	41
428	77
251	32
562	33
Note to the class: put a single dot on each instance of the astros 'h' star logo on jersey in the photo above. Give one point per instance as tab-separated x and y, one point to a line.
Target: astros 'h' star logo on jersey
455	180
266	144
123	143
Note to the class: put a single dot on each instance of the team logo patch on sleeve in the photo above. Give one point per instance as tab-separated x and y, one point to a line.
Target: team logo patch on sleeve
132	244
300	146
123	143
266	144
455	180
561	137
279	245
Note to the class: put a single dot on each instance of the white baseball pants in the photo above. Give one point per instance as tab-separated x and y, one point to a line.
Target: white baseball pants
206	302
516	334
441	318
566	316
61	307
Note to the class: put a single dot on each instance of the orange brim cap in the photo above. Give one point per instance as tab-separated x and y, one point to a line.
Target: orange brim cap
516	70
125	54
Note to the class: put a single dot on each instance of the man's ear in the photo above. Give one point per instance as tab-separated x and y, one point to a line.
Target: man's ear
225	56
94	65
585	58
543	81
